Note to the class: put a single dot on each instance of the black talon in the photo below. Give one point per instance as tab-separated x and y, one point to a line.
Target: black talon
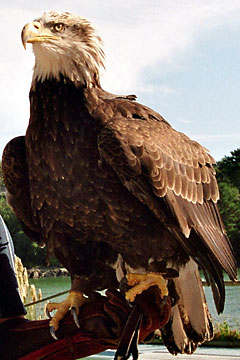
52	332
130	304
129	339
75	317
133	350
48	313
164	301
123	285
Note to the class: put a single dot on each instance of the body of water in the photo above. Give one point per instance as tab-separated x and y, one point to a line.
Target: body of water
49	287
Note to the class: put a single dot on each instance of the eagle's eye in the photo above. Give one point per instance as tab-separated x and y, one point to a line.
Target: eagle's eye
59	27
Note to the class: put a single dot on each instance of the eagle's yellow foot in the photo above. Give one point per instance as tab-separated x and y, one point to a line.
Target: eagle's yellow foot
74	301
141	282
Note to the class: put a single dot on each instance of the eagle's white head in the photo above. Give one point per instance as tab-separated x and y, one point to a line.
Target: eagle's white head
65	44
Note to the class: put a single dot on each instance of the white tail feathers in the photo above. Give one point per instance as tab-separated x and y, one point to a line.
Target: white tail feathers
190	323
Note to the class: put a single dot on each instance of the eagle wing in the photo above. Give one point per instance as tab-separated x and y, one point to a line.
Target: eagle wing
174	176
15	174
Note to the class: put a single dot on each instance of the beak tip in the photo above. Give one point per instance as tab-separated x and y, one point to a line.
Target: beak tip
23	38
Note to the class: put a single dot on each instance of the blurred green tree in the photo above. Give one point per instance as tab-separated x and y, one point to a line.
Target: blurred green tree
228	169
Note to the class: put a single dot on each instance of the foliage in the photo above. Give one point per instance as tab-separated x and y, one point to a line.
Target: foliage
228	169
223	332
229	205
228	175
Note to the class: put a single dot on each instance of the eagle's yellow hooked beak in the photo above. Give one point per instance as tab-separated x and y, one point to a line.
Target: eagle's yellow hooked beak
34	32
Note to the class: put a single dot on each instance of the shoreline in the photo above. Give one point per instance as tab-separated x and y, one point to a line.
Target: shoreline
37	272
215	343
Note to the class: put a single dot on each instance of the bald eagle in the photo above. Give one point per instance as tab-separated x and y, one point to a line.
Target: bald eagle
112	189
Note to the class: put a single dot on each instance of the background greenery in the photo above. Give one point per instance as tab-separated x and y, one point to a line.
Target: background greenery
228	175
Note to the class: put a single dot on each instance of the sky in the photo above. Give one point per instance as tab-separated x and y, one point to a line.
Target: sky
180	58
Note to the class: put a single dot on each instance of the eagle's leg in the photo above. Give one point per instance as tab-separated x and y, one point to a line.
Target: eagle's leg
141	282
74	301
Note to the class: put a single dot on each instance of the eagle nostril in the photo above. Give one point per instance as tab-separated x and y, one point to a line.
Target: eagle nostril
36	25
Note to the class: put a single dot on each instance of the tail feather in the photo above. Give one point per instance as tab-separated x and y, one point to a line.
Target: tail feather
190	322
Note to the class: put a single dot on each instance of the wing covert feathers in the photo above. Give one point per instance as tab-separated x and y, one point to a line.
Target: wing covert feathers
156	162
15	174
169	159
